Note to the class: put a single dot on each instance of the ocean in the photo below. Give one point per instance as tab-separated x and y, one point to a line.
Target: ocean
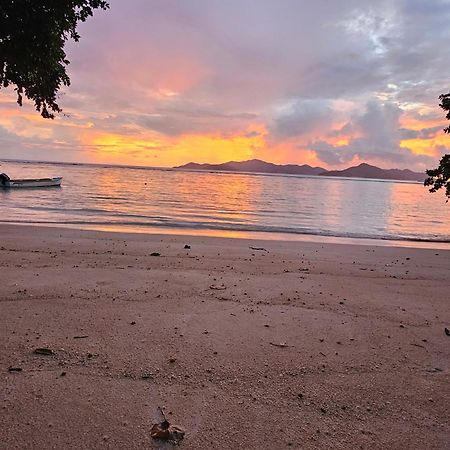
225	204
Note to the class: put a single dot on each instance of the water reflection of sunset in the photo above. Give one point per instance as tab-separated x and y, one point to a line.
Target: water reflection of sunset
216	193
227	203
406	211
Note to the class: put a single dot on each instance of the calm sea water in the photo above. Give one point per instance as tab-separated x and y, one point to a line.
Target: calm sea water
148	199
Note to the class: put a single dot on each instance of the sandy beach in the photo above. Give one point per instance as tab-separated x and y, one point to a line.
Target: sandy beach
286	345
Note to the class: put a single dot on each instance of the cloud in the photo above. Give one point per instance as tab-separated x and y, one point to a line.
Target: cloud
301	116
335	79
379	137
424	133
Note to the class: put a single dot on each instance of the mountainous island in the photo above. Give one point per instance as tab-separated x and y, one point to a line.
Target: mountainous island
363	170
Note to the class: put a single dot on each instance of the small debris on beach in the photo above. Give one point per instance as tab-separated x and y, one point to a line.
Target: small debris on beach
261	249
281	344
155	254
187	247
81	337
43	351
167	432
447	331
417	345
14	369
217	288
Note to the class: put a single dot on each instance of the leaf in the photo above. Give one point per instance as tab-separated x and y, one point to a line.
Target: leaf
167	432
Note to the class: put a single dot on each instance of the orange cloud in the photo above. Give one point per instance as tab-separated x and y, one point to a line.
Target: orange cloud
104	138
139	147
412	123
429	147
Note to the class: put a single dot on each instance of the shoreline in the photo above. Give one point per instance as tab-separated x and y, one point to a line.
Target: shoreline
285	345
240	234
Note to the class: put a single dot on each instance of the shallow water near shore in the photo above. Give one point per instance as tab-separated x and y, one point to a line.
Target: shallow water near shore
225	204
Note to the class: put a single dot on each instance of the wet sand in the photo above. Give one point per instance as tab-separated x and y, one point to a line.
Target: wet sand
299	345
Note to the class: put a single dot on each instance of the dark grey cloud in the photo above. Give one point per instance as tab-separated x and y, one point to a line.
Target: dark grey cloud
15	146
425	133
175	123
302	116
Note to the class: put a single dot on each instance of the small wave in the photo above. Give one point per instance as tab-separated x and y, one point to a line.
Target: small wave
212	226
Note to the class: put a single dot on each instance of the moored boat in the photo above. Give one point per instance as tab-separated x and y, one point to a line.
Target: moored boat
6	182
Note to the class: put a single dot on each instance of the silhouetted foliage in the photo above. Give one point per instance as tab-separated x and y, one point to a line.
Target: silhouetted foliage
440	177
32	38
445	105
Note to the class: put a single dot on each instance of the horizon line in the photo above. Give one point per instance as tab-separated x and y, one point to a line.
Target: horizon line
181	166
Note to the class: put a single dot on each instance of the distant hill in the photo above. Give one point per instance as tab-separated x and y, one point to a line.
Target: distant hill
364	170
367	171
256	165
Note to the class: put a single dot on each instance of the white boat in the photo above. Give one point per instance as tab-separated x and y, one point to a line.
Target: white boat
6	182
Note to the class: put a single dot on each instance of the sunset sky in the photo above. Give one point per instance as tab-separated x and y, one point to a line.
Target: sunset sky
328	83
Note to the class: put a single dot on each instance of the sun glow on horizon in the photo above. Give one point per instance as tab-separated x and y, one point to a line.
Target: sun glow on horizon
102	138
157	149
